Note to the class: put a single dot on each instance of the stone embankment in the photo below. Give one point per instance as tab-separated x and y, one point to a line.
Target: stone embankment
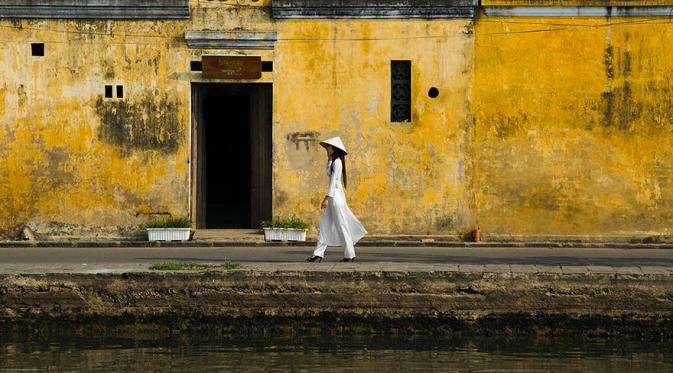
592	304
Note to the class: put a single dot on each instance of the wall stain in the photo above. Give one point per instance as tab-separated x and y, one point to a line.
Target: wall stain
58	158
468	29
608	61
108	70
22	96
303	139
446	223
619	109
507	125
626	64
280	196
49	170
150	124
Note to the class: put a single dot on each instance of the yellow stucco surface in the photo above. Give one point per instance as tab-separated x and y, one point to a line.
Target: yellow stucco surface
60	160
573	126
71	156
403	177
543	126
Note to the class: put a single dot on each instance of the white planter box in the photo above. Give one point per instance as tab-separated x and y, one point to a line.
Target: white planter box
168	234
284	234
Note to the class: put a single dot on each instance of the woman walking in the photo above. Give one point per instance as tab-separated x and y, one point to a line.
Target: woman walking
338	225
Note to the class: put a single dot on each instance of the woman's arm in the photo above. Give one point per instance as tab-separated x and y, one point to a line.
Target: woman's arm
336	171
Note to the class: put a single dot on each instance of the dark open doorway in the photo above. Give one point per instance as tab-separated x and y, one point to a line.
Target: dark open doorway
232	152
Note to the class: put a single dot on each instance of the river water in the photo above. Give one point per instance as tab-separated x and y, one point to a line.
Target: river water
328	354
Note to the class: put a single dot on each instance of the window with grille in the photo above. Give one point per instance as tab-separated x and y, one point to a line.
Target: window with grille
400	91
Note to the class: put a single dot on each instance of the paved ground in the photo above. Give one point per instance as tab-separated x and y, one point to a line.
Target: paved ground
558	260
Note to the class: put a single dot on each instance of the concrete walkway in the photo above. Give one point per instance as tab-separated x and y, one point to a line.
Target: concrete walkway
291	258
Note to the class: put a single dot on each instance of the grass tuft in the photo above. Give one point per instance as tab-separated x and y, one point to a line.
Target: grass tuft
186	266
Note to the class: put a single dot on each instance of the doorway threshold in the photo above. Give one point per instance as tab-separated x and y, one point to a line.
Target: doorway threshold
232	235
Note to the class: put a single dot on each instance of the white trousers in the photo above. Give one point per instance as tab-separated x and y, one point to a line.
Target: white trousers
349	249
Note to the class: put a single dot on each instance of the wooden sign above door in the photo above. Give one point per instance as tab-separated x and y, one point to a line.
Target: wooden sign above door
231	67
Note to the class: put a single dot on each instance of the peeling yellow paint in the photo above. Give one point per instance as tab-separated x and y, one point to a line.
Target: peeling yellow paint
573	126
562	131
402	177
53	164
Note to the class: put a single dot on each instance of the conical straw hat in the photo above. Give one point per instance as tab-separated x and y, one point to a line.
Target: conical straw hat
335	142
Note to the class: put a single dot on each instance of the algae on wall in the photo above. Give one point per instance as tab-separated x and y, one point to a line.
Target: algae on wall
573	126
76	157
73	157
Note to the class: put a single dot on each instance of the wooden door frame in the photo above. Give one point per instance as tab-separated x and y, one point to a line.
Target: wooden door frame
197	198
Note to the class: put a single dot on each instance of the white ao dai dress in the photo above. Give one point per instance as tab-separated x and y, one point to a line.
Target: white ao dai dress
338	225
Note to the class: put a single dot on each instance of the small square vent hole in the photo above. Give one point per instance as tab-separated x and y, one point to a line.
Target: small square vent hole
37	49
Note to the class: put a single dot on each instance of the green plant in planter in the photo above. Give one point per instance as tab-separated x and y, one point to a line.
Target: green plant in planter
182	222
291	223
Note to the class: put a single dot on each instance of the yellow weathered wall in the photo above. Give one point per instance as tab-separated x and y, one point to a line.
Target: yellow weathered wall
64	156
543	126
573	126
333	78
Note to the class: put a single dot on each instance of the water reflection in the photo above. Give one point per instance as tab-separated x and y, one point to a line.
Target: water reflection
327	354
